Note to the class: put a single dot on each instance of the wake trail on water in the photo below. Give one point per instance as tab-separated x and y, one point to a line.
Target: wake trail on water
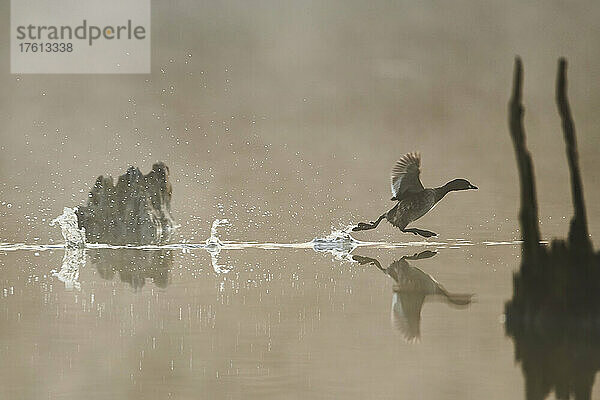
338	242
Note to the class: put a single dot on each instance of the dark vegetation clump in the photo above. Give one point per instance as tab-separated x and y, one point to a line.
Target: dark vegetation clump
137	210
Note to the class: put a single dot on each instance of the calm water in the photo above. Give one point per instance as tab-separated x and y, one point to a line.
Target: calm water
282	323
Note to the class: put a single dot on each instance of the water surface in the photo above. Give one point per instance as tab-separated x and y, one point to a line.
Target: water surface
281	323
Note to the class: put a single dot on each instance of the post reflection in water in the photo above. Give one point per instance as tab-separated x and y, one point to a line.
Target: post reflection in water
553	316
411	289
134	266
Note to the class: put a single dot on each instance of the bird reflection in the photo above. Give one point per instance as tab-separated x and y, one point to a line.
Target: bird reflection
134	266
412	287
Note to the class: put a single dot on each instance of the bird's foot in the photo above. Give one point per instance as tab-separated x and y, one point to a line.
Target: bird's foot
420	256
367	260
420	232
362	226
362	260
427	233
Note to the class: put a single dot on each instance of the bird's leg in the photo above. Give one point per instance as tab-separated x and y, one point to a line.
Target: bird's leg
420	256
362	260
363	226
421	232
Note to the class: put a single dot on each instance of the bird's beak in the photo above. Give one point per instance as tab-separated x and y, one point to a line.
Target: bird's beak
473	187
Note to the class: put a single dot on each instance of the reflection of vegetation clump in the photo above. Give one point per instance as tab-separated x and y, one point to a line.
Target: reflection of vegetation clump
554	315
137	210
134	266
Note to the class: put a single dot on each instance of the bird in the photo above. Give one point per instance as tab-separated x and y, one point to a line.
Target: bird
413	200
412	287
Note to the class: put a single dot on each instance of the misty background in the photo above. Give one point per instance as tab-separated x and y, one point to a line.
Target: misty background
286	117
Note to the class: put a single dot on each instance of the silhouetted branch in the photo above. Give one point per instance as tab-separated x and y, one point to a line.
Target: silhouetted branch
578	233
528	214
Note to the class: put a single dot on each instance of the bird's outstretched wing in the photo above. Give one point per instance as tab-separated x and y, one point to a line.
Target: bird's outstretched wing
406	314
405	176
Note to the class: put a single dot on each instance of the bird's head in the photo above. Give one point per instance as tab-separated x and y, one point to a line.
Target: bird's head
460	184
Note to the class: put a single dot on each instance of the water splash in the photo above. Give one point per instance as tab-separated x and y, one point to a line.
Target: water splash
74	258
74	237
338	242
214	246
213	240
337	237
73	261
214	260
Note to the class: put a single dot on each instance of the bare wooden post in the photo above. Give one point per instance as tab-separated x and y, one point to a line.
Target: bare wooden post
528	213
578	233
